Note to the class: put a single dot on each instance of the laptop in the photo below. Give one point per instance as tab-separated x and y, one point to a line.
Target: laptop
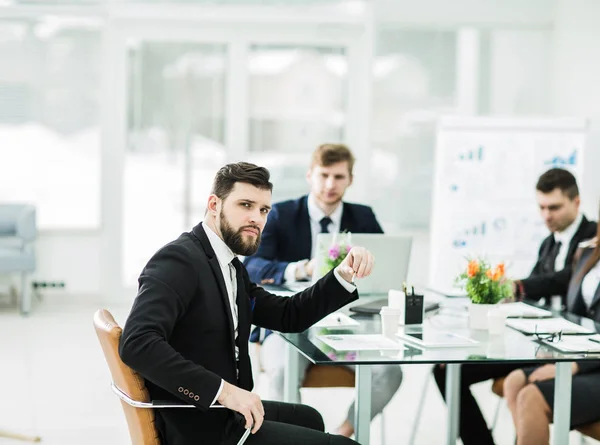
392	256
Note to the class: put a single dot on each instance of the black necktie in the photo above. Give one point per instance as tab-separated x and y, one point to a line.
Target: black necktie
244	377
550	261
237	264
325	221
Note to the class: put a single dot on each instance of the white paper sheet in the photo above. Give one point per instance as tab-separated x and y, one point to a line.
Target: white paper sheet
546	326
522	310
337	320
361	342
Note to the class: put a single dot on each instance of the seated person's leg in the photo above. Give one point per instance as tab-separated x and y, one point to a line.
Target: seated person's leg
293	424
273	360
473	427
386	381
535	401
532	416
513	384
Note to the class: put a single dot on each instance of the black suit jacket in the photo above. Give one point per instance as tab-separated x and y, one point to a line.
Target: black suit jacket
576	305
179	335
541	284
287	236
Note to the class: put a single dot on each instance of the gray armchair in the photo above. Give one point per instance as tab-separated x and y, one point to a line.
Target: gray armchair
17	254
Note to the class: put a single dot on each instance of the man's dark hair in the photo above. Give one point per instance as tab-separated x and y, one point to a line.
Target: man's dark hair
558	178
228	175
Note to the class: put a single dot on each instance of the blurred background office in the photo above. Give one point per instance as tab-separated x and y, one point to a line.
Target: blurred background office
115	114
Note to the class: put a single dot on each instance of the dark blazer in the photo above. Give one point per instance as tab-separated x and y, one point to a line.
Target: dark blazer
179	335
540	283
576	305
287	236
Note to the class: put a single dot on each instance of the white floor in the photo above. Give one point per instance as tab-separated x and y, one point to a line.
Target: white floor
54	383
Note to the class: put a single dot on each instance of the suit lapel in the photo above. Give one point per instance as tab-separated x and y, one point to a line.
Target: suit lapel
216	270
304	233
347	222
596	298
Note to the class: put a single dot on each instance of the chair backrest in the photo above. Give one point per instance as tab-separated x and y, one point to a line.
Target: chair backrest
18	220
140	421
326	376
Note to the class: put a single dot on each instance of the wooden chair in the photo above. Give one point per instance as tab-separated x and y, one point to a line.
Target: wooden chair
591	430
130	387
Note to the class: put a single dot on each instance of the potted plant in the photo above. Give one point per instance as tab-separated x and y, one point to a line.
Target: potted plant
485	285
336	252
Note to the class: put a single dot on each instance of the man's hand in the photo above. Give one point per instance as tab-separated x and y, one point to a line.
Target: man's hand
246	403
548	372
359	261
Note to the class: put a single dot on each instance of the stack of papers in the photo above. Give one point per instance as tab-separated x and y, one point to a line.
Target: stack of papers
547	326
359	342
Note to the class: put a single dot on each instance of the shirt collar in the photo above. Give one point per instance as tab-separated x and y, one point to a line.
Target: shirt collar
316	214
224	254
567	235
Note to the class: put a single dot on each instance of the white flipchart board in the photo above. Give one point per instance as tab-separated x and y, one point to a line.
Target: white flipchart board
484	202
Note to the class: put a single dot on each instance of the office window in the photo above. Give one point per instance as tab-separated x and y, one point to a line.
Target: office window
176	105
414	78
49	118
297	101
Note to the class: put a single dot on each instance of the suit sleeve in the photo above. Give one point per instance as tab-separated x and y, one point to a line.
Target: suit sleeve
547	285
263	265
299	312
166	287
376	228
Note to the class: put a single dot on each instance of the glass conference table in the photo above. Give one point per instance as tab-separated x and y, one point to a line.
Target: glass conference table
511	346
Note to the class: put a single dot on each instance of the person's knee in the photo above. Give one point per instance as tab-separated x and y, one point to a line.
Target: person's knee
531	399
513	383
311	418
393	377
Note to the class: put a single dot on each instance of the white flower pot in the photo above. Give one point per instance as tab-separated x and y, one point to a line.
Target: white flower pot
478	315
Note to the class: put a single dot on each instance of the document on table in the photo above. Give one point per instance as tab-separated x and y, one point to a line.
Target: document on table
336	320
523	310
576	344
547	326
360	342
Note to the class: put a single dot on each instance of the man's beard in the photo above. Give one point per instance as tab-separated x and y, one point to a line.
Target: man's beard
235	239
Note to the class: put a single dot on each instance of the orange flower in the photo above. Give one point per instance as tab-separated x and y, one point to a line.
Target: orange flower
472	268
500	270
489	274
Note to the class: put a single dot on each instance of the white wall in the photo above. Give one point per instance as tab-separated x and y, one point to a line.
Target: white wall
576	71
72	257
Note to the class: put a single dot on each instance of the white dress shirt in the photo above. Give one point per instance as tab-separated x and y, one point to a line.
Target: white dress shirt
224	256
565	238
590	284
315	215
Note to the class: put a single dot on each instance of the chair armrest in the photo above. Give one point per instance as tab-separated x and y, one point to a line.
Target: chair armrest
154	404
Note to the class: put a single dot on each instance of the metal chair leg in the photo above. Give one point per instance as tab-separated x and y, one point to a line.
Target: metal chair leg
415	426
23	437
496	415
